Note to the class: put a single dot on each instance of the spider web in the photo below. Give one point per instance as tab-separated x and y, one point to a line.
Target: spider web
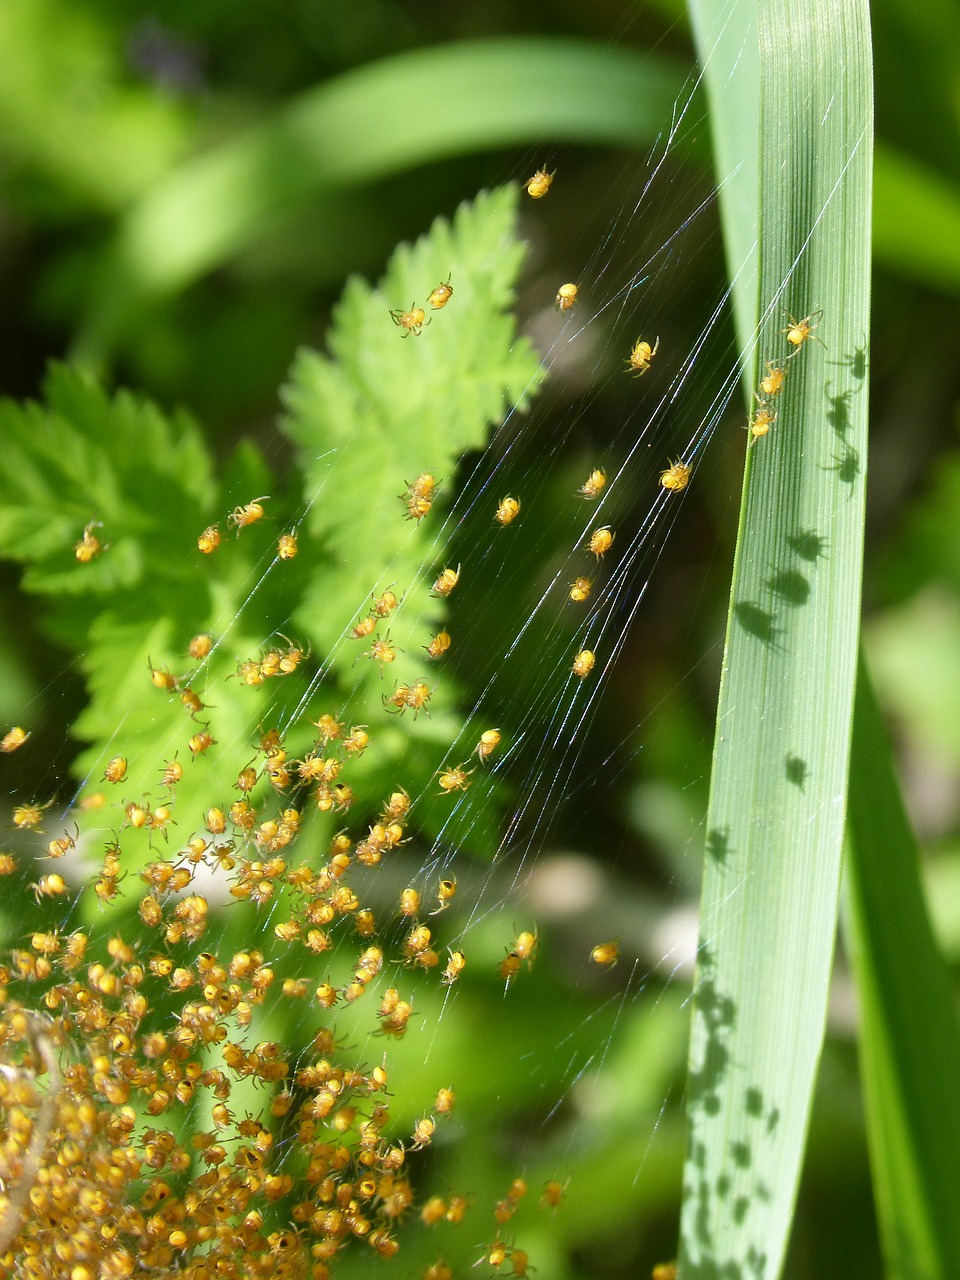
584	826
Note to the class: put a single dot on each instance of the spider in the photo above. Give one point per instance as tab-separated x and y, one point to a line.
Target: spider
567	296
638	362
538	186
676	477
411	321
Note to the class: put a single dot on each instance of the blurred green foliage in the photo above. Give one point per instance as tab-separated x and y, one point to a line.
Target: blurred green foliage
168	215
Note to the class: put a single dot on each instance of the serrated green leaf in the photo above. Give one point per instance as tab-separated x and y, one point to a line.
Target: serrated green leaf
83	457
385	407
148	480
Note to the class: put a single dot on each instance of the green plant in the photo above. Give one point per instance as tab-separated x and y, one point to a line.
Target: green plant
194	271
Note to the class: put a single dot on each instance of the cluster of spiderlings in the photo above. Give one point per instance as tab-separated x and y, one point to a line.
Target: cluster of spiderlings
216	1202
418	497
798	332
275	662
106	1170
104	1174
131	1138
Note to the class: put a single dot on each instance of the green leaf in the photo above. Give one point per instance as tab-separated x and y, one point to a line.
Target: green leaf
83	457
769	903
928	547
916	220
909	1033
148	482
384	408
734	127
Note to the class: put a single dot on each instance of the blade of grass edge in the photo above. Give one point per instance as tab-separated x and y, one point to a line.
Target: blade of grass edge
775	823
909	1031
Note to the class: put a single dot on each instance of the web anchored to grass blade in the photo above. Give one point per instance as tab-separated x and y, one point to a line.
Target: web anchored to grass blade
781	757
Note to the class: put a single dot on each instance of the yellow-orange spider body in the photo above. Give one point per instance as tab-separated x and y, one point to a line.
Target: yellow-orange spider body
418	497
509	967
583	663
287	546
27	817
441	295
605	954
567	296
249	513
209	540
676	477
772	381
382	650
507	511
417	508
50	886
13	740
446	892
538	186
601	540
641	353
364	627
455	966
525	945
446	582
761	423
411	321
800	331
439	645
116	769
89	546
454	779
594	484
385	604
200	646
553	1193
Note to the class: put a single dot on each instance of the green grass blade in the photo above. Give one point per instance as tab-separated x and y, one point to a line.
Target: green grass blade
916	220
909	1033
781	757
730	54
